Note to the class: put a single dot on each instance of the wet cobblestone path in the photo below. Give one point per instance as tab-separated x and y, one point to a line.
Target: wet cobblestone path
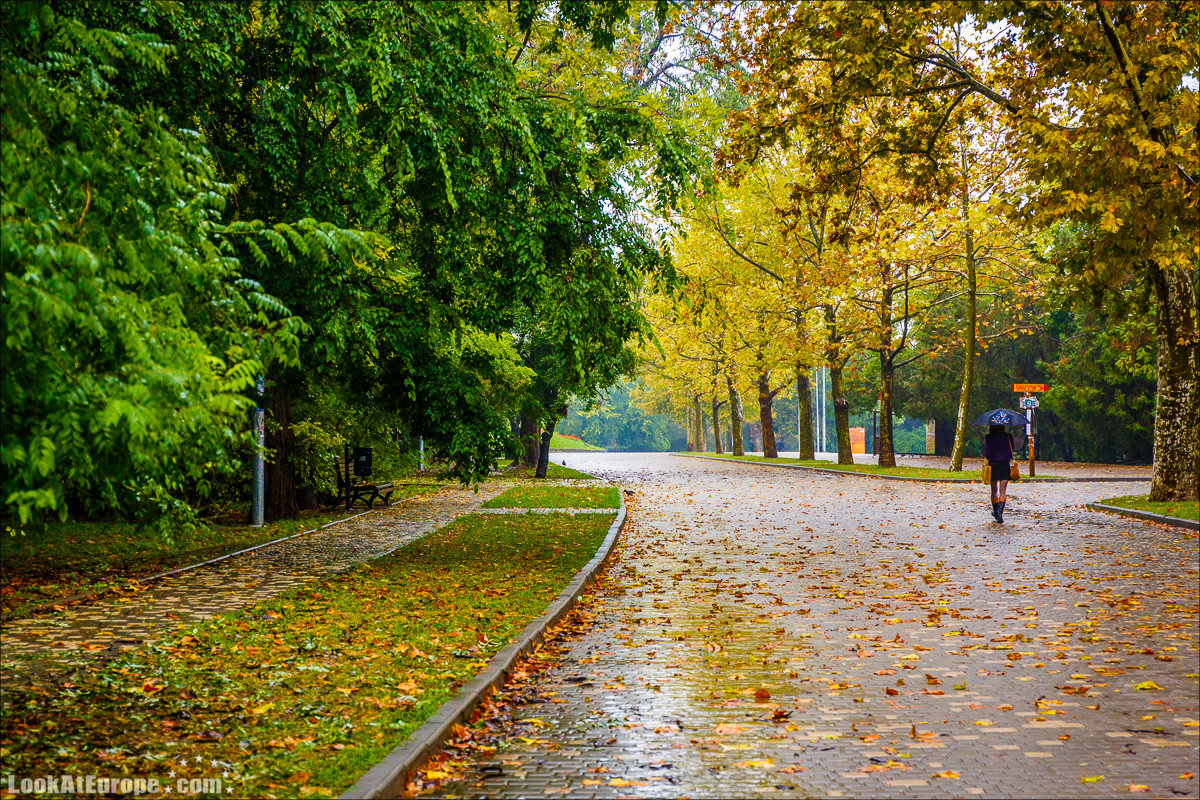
35	649
771	633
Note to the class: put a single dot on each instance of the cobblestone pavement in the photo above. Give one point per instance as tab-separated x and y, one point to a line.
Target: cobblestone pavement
775	633
36	648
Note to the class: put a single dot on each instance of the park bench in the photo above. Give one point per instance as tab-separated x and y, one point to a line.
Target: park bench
352	470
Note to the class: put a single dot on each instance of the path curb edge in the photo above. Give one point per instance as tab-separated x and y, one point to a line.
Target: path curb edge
1146	515
1046	479
390	776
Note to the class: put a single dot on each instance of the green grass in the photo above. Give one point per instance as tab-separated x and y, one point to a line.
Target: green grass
557	497
1186	509
553	472
41	567
560	442
300	695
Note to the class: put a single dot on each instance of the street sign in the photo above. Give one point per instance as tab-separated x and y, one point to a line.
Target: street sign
1029	402
1030	387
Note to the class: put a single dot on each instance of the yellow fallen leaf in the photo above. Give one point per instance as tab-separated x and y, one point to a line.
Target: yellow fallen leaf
725	727
264	708
764	763
946	774
984	722
590	782
1148	686
622	782
436	774
1093	779
1138	787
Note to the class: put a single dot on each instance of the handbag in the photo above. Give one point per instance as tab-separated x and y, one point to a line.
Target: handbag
1014	474
987	473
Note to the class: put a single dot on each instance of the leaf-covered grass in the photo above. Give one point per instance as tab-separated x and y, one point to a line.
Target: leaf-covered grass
1186	509
557	497
870	469
560	442
300	695
67	558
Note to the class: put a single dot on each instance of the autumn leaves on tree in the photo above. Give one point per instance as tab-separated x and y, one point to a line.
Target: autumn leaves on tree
892	178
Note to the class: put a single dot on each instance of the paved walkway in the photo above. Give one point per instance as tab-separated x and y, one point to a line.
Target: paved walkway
37	648
772	633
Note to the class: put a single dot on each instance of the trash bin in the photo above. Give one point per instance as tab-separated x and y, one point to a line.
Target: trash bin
363	461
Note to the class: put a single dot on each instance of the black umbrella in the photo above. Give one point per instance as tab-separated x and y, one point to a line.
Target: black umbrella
1001	416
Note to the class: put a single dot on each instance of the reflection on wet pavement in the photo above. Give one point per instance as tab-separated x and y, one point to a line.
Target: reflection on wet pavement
776	633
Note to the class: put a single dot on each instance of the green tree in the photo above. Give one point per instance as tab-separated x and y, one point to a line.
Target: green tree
131	335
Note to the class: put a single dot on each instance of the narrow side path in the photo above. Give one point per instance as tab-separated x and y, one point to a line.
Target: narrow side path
37	649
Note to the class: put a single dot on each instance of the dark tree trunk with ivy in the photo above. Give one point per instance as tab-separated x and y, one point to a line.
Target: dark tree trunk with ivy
280	476
529	438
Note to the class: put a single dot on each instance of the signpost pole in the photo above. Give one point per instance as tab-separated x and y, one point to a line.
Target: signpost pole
1030	426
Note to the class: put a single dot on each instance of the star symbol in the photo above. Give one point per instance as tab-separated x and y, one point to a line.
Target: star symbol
183	761
171	774
214	762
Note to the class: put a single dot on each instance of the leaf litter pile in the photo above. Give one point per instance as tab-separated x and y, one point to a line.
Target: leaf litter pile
300	695
739	648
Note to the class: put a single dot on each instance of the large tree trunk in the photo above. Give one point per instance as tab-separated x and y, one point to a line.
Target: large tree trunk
543	461
735	417
698	419
279	472
841	414
887	449
765	419
716	422
807	445
529	438
1177	405
968	379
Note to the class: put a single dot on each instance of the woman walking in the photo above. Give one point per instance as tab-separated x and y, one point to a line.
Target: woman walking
998	452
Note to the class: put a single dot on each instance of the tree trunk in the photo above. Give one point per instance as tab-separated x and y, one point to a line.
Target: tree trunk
968	380
698	419
716	422
1177	404
543	460
279	474
887	372
529	438
691	429
806	446
887	448
841	414
735	418
765	419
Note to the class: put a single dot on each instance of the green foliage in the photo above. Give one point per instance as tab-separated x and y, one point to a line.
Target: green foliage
130	335
617	424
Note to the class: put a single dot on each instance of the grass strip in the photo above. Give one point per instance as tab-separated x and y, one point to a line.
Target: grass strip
553	472
1181	509
560	442
869	469
41	567
300	695
557	497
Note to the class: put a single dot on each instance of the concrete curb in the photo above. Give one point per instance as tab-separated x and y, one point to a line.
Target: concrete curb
1147	515
1024	478
390	776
